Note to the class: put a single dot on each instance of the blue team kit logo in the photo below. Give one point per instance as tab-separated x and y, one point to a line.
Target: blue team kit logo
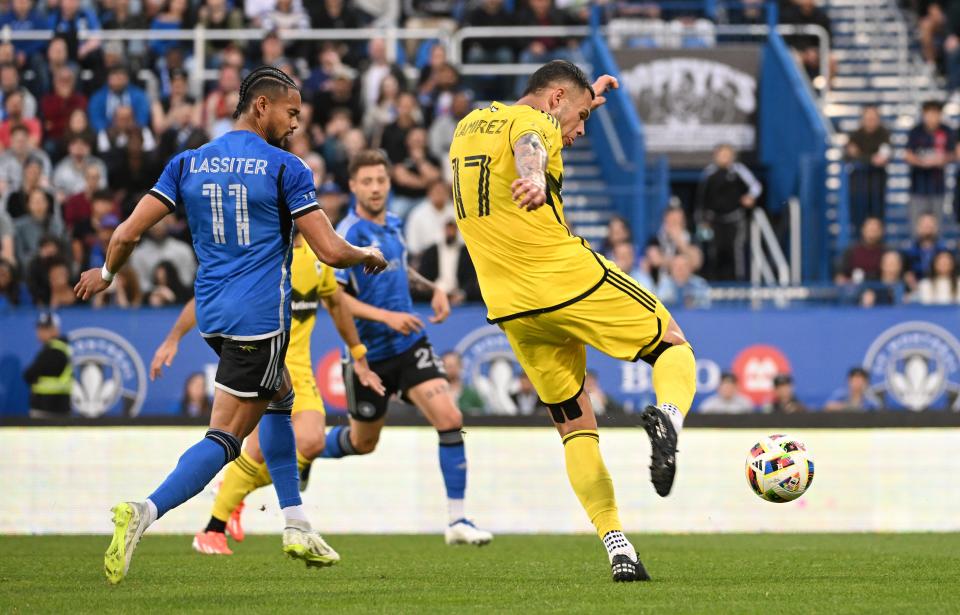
109	377
915	365
489	365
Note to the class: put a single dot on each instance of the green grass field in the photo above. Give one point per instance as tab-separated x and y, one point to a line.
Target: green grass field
801	573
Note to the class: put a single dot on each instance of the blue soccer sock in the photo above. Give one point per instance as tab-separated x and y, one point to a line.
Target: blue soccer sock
338	443
280	452
197	467
453	466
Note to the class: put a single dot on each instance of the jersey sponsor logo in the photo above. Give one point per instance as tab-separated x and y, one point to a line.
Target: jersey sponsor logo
226	164
915	365
755	368
109	377
490	367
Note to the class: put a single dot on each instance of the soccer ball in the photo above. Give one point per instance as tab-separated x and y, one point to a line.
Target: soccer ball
779	468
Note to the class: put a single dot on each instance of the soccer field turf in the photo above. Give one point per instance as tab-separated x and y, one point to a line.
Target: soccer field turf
691	574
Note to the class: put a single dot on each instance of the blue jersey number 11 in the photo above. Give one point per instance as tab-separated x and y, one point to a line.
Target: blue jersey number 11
239	193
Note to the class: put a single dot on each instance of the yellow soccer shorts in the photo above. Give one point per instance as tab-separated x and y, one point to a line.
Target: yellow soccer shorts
306	396
619	318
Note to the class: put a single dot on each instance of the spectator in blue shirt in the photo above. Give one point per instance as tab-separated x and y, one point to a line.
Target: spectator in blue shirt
23	16
930	148
926	244
681	287
118	93
175	17
69	20
856	396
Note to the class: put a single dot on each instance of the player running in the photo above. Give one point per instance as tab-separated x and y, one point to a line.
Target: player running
311	280
242	195
398	349
552	295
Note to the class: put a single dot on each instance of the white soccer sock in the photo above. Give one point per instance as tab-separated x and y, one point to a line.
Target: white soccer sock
151	512
676	417
455	509
294	516
617	544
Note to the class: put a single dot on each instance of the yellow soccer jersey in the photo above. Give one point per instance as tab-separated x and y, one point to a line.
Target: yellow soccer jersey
311	281
527	261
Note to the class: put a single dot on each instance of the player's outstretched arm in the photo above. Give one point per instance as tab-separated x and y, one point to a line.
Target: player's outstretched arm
168	349
334	250
343	321
530	156
148	212
401	322
439	301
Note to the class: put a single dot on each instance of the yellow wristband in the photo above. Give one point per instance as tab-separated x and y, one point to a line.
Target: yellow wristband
358	352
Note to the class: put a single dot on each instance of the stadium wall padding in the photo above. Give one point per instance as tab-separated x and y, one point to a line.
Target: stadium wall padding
911	354
865	480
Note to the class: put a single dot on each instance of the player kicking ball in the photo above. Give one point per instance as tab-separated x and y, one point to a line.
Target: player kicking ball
552	295
396	347
242	195
311	280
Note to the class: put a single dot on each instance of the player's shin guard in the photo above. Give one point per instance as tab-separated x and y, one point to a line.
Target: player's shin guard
280	451
453	466
337	443
197	466
242	477
591	481
675	382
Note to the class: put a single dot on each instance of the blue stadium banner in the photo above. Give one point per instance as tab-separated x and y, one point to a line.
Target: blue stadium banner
912	355
692	100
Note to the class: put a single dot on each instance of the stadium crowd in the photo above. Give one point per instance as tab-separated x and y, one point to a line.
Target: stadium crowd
86	125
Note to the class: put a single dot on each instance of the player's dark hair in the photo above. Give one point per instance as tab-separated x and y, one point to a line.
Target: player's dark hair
558	71
266	80
368	158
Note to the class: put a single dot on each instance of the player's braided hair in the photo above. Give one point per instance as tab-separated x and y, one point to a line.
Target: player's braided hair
261	79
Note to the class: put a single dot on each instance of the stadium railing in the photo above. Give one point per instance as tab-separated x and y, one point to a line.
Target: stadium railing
619	145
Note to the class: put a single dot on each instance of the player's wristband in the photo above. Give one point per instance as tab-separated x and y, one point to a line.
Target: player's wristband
358	352
105	274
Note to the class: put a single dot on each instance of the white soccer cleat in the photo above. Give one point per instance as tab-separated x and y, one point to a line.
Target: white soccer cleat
309	547
129	521
464	532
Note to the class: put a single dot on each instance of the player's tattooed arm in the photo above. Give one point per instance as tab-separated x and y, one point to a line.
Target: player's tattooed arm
530	154
531	158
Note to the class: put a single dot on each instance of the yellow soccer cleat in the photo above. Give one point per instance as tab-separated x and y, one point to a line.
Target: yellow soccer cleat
309	547
130	521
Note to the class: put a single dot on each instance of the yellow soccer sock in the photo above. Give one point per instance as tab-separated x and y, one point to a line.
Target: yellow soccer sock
591	481
302	461
675	378
242	476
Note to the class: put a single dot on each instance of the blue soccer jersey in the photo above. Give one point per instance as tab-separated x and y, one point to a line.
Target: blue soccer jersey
240	195
389	290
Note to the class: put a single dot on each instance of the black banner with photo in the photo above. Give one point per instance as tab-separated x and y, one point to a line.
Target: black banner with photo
691	100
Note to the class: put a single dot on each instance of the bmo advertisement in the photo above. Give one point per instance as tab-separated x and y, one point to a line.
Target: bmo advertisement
911	354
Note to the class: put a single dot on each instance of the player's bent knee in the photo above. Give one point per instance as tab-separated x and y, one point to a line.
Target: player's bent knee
449	421
311	445
664	345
